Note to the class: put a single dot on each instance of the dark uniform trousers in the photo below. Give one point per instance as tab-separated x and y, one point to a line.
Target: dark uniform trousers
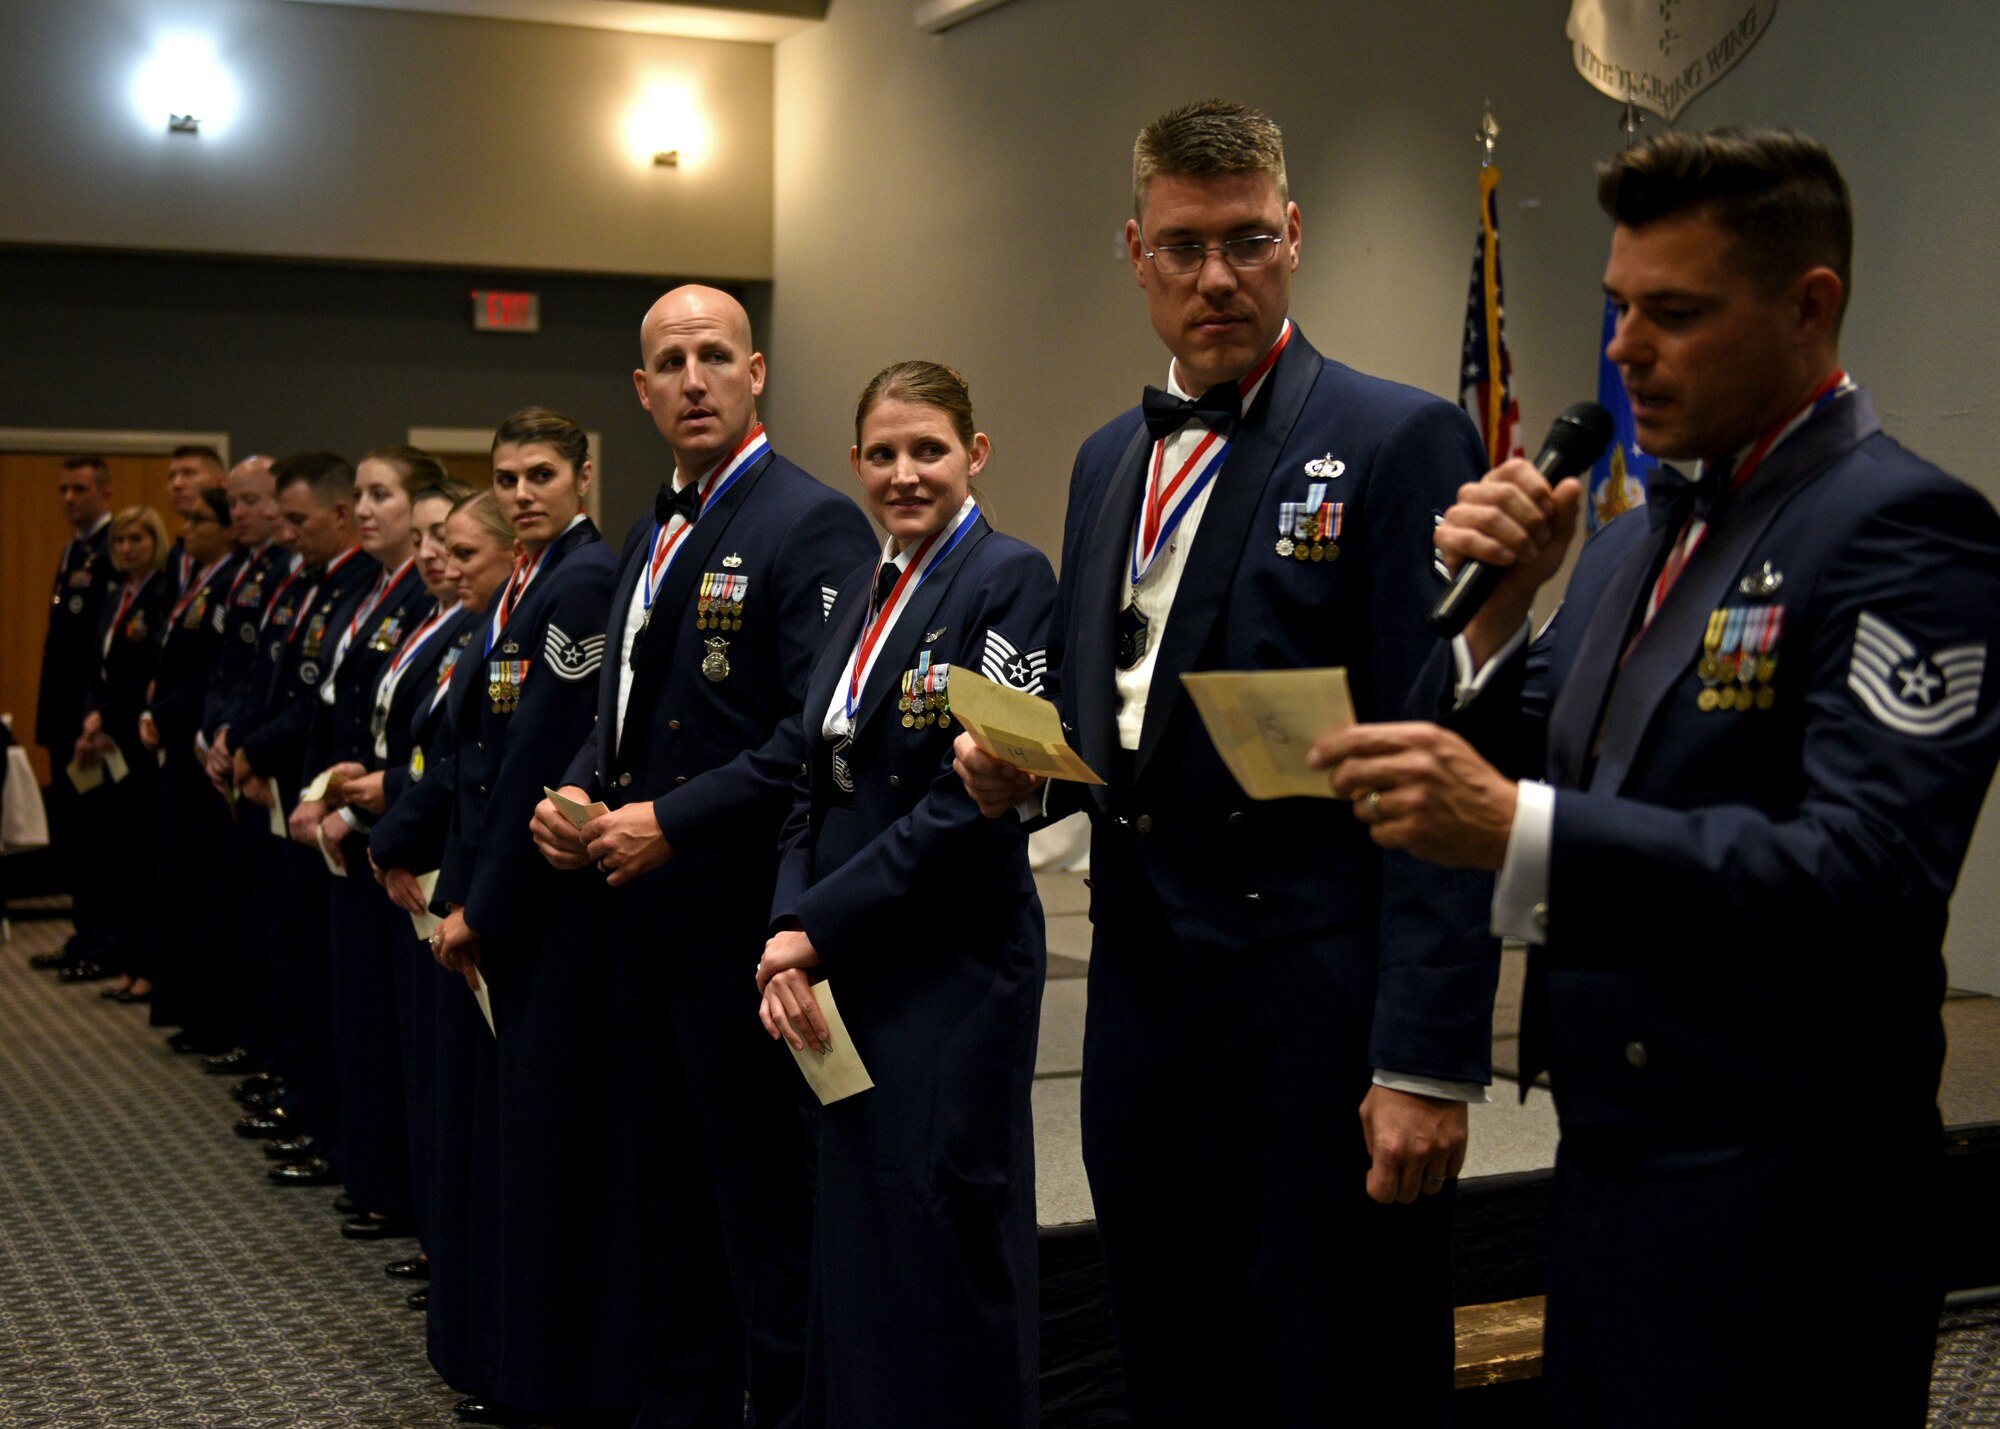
1750	865
1254	964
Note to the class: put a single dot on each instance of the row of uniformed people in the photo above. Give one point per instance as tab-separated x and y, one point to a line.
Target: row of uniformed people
615	1185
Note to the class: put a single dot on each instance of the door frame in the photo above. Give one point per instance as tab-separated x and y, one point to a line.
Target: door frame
78	441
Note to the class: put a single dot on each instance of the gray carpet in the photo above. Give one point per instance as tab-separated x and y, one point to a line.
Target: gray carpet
151	1276
149	1273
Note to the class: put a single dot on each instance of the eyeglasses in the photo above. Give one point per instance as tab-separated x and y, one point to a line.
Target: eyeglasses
1180	259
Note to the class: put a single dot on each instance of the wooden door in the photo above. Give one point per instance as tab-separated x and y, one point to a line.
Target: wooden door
32	536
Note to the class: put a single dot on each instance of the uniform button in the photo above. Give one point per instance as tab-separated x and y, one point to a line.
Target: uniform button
1540	913
894	782
1123	822
625	780
680	778
1236	818
1254	897
673	724
1635	1054
1144	823
479	744
484	790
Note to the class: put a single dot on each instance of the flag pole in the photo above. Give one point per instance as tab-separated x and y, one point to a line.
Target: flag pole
1496	387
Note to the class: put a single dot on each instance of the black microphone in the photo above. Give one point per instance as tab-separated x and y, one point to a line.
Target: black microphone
1575	440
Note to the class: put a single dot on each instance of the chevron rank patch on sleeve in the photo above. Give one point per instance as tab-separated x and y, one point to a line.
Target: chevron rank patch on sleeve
1018	669
1912	692
569	659
827	596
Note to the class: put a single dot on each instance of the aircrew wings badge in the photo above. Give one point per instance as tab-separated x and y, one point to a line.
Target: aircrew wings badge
1912	692
572	660
1018	669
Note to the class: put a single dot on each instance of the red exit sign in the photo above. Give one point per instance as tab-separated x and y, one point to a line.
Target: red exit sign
496	311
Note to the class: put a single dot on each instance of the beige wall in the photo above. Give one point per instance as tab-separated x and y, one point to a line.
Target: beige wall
960	196
382	136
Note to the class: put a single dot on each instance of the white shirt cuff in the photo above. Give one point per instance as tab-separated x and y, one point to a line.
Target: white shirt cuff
1470	681
1521	893
352	819
1035	806
1432	1087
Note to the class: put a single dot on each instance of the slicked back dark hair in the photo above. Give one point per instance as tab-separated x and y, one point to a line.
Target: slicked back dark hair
534	425
415	466
206	453
1206	139
327	473
1777	192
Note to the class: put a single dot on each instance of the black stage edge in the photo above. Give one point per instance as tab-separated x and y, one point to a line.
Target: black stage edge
1500	1250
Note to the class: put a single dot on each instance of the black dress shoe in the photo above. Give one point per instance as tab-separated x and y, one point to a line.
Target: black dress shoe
370	1228
46	961
257	1103
344	1205
127	996
250	1092
188	1043
292	1148
84	972
236	1059
112	994
474	1410
417	1267
313	1171
267	1126
419	1299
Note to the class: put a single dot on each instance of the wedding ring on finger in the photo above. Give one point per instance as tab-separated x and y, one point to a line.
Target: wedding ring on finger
1368	807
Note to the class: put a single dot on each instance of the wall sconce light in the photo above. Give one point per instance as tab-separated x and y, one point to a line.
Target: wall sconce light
665	129
184	83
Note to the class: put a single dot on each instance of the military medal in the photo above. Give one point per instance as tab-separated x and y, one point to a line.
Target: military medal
715	664
925	558
399	665
720	604
668	539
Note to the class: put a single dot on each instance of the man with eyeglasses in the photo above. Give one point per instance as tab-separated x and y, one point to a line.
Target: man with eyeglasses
1284	1024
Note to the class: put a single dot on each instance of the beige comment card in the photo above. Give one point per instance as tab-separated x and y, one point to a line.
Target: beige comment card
483	995
279	828
115	765
578	814
836	1073
1264	721
426	922
1022	729
324	783
334	865
84	777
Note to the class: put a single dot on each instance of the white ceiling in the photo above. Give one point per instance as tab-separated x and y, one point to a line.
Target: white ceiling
639	17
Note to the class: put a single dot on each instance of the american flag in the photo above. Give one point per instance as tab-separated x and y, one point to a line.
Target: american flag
1488	401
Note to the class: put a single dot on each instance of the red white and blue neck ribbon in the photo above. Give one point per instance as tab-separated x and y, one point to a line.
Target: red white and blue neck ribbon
306	601
386	582
933	549
188	596
1168	501
525	571
719	478
399	665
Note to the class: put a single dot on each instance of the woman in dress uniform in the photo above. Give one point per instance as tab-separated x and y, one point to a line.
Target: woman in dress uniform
561	1331
448	1049
924	1295
120	812
193	820
366	929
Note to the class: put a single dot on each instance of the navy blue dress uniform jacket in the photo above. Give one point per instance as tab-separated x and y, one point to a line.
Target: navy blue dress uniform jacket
925	1298
187	659
70	650
418	788
1229	872
344	730
276	748
702	748
506	756
243	621
1739	897
125	664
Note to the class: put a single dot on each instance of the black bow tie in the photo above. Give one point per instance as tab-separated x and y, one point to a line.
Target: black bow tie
1218	408
686	502
885	583
1671	497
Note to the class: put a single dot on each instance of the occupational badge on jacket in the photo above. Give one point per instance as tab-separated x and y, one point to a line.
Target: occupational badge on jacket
925	697
571	659
715	664
309	672
1004	663
1739	658
1909	690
